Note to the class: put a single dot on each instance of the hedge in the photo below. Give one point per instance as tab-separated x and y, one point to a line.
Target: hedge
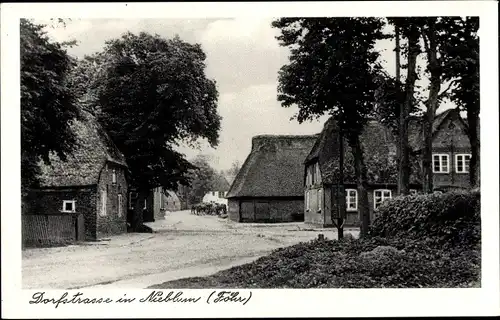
360	263
451	218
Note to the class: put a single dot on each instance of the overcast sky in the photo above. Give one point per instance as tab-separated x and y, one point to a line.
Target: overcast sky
243	56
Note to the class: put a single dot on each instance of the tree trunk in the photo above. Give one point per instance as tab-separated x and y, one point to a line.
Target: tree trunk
138	218
404	158
474	165
431	104
362	184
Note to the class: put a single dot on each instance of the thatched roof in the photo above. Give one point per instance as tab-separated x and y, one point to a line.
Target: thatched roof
379	146
82	167
220	183
274	167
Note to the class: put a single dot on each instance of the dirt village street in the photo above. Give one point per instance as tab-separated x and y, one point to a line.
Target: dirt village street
183	245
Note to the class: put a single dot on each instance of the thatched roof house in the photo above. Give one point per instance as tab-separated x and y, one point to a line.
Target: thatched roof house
269	185
450	144
91	182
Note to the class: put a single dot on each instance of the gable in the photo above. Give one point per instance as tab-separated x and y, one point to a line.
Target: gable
451	131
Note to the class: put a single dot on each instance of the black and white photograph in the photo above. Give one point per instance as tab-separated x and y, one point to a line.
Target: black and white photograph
239	153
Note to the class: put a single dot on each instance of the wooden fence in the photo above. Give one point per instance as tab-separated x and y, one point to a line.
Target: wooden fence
51	229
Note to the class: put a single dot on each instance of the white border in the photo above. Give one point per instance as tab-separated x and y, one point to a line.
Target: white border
296	303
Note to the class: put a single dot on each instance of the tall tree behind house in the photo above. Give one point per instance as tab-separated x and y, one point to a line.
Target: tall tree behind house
48	105
332	70
151	94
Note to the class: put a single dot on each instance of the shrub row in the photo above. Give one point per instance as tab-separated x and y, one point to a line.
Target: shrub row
451	218
394	263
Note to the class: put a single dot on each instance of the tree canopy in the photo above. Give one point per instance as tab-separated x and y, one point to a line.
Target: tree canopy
151	94
47	102
333	70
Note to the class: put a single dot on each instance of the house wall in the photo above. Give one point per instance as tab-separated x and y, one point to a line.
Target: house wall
451	139
266	209
110	221
50	202
323	218
215	196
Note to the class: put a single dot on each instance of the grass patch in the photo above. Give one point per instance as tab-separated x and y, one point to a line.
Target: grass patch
428	241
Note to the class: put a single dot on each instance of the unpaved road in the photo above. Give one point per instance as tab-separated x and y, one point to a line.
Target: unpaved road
183	245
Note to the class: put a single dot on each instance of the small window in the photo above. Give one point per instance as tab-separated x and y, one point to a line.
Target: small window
307	201
379	196
69	206
440	163
320	199
114	176
104	200
120	205
351	199
462	163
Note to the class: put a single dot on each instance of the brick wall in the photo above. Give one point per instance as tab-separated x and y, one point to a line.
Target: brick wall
111	222
50	201
451	139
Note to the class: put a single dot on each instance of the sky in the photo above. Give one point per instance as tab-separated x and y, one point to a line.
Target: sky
243	57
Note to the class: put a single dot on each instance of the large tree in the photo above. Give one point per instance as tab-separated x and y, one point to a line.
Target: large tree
461	45
47	102
151	94
332	70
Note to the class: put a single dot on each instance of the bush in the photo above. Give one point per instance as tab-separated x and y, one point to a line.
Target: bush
450	218
361	263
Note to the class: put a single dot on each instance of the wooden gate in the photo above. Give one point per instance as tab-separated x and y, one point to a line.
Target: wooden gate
262	212
247	211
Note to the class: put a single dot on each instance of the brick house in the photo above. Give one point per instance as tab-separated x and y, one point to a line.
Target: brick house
269	185
91	184
157	203
451	154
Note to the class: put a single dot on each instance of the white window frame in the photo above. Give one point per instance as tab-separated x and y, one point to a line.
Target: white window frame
462	155
120	205
382	197
441	156
348	199
308	203
114	177
320	200
104	203
73	203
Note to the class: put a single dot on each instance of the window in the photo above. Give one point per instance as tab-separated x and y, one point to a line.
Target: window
68	206
440	163
413	191
120	205
320	199
114	176
462	162
104	198
317	173
351	199
380	196
307	201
